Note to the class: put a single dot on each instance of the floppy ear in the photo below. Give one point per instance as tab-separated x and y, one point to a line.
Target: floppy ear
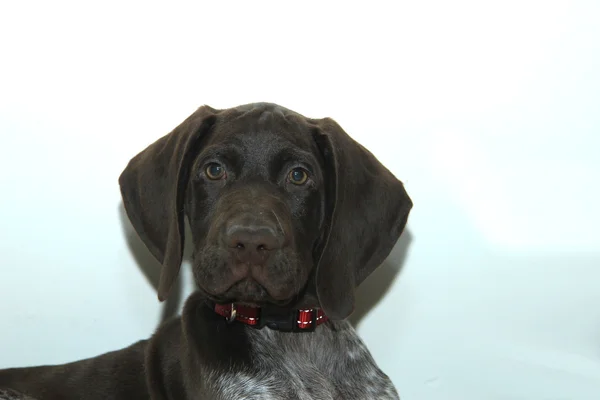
153	189
369	209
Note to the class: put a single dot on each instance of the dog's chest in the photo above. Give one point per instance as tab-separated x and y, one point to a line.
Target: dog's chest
324	365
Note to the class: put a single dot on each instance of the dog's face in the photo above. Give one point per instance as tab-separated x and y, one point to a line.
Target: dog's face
255	202
282	208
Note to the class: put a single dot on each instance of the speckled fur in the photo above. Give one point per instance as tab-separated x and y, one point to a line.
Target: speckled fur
330	364
8	394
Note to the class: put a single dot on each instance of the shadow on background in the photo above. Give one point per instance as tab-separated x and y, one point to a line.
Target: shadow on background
150	267
374	288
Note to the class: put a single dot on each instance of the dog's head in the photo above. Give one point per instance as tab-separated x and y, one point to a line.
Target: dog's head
282	208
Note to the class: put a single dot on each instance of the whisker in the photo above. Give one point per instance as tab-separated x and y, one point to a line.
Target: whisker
279	222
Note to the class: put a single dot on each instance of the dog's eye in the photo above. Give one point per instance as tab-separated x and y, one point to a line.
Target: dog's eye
215	171
298	176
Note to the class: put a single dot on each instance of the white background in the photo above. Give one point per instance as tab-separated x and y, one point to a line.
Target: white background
488	111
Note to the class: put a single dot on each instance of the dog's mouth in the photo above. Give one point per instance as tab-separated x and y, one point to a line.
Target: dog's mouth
249	292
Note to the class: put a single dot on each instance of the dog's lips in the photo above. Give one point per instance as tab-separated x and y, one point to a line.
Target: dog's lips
247	291
229	282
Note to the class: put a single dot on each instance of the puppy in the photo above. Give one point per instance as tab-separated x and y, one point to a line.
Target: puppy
288	216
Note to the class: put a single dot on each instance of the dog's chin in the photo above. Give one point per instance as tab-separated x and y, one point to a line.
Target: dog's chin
251	293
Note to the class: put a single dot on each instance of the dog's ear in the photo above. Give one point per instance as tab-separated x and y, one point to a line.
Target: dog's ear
153	189
368	208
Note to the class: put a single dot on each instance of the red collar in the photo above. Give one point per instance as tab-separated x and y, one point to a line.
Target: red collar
305	320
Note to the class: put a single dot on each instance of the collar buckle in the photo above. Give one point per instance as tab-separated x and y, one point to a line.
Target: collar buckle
286	321
276	319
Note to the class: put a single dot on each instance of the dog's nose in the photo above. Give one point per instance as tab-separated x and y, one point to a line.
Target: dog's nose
252	243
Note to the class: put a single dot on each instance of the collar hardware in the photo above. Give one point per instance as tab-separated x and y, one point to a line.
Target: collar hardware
285	320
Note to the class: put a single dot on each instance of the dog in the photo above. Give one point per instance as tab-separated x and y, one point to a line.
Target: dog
288	215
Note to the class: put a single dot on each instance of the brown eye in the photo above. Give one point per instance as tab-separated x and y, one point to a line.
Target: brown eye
215	171
298	176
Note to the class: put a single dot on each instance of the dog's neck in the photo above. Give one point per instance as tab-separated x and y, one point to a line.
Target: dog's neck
235	360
